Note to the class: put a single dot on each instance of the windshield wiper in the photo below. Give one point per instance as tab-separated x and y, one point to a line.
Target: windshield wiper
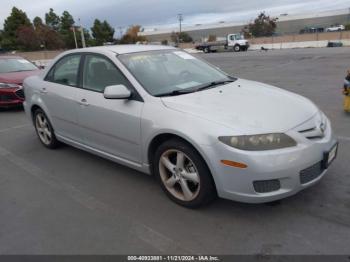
21	70
212	84
176	93
200	88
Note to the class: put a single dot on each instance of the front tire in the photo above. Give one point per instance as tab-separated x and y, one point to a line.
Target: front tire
183	174
237	48
44	129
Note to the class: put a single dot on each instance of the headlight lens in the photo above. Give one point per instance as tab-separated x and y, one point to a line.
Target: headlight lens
259	142
8	85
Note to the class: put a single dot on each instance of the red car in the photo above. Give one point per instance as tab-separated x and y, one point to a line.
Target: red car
13	70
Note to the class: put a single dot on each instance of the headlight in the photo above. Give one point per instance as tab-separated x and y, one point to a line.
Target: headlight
259	142
8	85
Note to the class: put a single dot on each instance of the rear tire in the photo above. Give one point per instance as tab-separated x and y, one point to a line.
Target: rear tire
183	174
44	129
206	50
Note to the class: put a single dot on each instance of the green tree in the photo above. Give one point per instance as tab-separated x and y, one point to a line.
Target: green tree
12	23
88	38
52	20
347	26
185	37
66	25
37	21
102	32
182	37
263	25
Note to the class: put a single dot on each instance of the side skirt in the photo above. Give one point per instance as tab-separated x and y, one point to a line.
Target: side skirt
144	168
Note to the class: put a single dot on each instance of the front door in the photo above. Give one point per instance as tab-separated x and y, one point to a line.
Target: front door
108	125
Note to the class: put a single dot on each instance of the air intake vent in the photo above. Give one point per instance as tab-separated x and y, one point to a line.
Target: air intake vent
307	130
265	186
313	133
311	173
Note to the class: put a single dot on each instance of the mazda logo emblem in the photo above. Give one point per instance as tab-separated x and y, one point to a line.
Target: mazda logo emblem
322	127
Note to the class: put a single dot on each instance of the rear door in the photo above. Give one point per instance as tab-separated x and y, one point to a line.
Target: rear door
59	95
108	125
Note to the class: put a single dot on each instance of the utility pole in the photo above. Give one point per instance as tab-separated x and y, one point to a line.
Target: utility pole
82	34
120	31
180	18
75	36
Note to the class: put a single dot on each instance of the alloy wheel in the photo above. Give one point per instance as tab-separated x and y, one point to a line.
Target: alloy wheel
43	128
179	175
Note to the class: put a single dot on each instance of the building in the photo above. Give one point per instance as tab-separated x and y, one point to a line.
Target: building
286	24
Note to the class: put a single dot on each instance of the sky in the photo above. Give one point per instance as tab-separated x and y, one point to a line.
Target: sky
163	13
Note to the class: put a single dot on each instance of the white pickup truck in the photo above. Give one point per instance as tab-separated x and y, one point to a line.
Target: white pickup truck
234	41
335	28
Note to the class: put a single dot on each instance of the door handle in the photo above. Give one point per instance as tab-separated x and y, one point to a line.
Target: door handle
83	102
43	90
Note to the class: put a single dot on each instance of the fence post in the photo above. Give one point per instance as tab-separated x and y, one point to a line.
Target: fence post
272	46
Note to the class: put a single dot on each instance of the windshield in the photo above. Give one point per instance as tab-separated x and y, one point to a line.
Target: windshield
172	72
239	37
9	65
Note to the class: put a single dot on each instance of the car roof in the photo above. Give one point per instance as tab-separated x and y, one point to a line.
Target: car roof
124	49
10	57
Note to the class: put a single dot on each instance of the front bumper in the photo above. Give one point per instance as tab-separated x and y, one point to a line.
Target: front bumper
11	97
285	171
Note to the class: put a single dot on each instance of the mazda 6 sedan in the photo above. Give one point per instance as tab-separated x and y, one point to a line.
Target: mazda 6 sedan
200	131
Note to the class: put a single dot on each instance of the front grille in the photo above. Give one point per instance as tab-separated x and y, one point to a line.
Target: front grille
20	93
313	129
7	98
313	133
265	186
311	173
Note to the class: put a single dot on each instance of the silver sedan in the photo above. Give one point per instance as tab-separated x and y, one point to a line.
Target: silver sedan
200	131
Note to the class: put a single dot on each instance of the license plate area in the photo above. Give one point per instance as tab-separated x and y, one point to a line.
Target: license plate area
328	157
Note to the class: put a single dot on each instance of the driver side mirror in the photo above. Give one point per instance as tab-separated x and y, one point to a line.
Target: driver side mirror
117	92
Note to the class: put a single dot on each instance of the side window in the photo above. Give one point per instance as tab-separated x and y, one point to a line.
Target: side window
99	73
65	72
232	37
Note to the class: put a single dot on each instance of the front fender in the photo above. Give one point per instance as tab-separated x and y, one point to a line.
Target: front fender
202	134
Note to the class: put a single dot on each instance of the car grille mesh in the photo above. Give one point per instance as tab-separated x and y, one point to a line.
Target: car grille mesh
20	93
265	186
314	129
7	98
311	173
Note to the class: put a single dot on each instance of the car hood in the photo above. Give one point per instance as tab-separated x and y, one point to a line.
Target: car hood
17	77
246	106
